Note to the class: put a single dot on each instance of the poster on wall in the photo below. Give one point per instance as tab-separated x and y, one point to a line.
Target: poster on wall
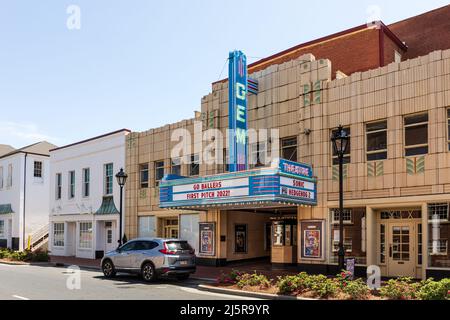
240	238
207	232
312	232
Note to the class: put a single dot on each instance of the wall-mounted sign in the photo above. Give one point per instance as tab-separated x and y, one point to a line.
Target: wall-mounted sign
240	238
237	90
295	168
312	235
207	233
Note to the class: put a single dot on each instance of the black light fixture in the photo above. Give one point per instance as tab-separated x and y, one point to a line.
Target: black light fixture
121	177
340	140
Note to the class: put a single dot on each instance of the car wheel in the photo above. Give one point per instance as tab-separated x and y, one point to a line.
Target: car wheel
183	276
108	269
148	272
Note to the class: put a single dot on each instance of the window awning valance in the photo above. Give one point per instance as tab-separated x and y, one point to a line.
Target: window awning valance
6	209
108	206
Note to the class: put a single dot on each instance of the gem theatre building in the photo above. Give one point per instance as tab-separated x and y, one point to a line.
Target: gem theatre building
389	86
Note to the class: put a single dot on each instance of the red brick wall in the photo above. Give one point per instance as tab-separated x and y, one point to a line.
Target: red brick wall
425	33
354	52
389	48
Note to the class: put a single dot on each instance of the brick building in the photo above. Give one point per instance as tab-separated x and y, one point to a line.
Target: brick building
389	90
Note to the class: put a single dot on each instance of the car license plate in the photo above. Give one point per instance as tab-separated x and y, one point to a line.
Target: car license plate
183	262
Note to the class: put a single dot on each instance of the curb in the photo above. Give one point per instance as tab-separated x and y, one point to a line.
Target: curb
241	293
21	263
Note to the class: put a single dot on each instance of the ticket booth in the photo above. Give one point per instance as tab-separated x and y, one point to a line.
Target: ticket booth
284	241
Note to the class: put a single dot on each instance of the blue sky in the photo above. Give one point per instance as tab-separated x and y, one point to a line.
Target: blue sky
140	64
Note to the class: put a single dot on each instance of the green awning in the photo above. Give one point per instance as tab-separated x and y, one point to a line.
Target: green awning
108	206
6	209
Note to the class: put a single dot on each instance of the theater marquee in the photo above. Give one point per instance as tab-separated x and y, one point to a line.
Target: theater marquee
284	183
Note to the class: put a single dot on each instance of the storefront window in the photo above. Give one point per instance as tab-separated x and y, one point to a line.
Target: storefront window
58	234
85	235
354	234
285	233
438	234
2	228
147	227
278	234
382	243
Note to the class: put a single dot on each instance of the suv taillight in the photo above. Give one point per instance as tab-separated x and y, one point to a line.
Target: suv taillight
166	250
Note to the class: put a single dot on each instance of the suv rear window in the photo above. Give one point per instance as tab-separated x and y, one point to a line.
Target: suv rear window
178	245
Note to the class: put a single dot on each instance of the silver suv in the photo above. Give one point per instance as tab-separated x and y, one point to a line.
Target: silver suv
151	258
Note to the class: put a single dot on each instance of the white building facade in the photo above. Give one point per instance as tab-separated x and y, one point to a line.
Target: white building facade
85	196
24	195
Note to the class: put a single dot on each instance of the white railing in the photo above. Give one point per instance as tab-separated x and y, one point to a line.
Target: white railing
39	238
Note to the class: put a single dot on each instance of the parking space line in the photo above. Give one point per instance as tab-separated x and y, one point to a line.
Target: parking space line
20	297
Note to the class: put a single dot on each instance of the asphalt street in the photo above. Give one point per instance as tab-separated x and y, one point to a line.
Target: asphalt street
43	282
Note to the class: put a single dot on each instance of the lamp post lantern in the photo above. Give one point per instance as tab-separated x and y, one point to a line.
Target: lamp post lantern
340	140
121	177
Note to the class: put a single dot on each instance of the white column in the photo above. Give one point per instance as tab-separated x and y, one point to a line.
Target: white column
424	239
371	237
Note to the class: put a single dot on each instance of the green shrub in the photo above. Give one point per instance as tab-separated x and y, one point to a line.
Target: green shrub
253	280
287	284
290	284
344	278
356	289
28	256
322	286
434	290
229	278
40	256
400	289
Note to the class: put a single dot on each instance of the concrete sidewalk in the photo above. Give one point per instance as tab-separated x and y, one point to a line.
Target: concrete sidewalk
203	272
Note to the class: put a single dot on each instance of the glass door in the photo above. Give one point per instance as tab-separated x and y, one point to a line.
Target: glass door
401	255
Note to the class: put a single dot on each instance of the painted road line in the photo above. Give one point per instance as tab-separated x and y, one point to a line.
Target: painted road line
20	297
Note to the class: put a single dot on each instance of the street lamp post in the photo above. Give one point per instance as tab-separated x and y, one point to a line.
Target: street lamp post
121	177
340	141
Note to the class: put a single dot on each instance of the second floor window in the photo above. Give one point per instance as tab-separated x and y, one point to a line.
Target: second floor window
258	154
289	148
1	177
37	169
86	182
159	171
108	179
194	165
376	134
143	174
347	152
416	134
448	122
58	184
9	180
71	184
176	166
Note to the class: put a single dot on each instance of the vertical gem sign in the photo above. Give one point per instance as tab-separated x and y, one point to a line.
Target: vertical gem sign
237	77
